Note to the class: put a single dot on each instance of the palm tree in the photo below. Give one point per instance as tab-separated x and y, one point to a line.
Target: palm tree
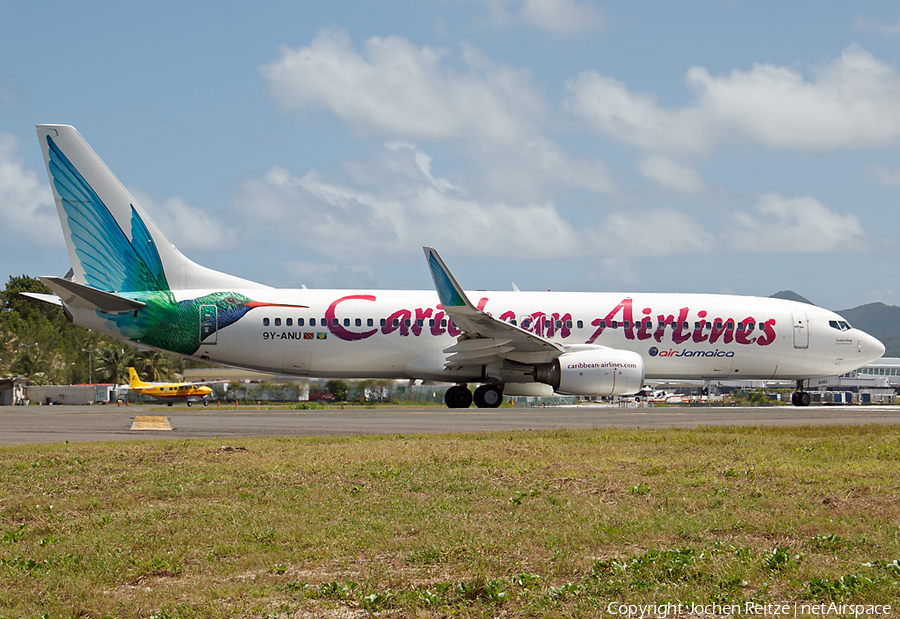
112	363
154	365
30	365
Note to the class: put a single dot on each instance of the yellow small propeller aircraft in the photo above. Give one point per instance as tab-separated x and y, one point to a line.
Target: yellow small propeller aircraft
169	392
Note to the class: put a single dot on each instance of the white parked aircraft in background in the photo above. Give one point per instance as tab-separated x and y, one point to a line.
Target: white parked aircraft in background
129	281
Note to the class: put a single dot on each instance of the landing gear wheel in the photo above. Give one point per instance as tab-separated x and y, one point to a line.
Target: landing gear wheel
458	396
801	398
205	402
169	403
488	396
190	403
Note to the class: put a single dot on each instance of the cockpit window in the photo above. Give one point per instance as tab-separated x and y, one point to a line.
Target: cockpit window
840	325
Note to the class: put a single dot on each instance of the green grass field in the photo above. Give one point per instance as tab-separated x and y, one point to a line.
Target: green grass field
521	524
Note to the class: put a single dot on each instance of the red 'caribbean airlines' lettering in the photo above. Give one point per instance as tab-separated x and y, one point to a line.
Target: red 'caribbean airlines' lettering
557	324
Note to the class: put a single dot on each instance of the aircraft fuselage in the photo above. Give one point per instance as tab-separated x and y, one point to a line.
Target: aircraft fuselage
401	334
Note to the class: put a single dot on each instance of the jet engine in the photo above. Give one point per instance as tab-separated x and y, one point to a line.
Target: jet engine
597	371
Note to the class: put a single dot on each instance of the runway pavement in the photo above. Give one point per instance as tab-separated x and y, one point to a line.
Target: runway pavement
51	424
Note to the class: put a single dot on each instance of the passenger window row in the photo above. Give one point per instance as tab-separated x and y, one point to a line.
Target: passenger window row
615	324
526	323
358	322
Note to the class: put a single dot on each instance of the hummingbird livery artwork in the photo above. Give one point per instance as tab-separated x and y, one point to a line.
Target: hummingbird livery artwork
129	281
133	270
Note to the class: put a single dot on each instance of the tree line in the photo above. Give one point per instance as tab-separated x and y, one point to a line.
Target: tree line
38	342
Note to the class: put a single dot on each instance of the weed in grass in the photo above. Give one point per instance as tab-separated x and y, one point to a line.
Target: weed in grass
838	589
430	598
494	591
377	601
641	489
566	590
338	591
526	580
779	559
891	567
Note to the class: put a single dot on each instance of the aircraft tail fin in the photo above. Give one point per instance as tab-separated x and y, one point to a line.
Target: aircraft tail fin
113	244
134	380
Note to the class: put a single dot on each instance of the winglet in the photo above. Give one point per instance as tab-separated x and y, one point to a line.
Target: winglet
449	291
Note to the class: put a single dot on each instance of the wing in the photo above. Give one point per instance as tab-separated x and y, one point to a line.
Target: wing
110	261
484	339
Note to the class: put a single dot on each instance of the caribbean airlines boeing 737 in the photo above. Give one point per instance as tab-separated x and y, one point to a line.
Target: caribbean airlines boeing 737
128	281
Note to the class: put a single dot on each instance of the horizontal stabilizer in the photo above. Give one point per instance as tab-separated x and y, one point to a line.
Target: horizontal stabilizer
76	295
46	298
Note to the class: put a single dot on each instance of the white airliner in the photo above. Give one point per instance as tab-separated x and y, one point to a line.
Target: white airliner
128	281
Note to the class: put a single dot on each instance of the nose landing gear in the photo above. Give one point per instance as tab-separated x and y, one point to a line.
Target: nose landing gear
800	397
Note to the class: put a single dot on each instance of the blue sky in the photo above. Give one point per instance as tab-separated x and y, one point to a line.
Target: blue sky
737	147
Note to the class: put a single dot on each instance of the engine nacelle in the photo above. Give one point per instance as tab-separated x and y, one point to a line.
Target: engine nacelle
601	371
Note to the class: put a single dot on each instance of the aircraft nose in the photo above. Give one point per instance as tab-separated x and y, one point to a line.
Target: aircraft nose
873	349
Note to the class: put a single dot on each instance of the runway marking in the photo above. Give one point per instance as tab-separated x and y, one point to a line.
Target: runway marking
148	422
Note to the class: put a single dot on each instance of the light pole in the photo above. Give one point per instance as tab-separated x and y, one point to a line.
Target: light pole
68	365
90	352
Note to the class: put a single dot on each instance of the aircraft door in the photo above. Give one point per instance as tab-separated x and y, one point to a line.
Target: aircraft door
208	324
801	330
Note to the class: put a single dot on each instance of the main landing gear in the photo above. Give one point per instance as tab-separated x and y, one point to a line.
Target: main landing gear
486	396
800	397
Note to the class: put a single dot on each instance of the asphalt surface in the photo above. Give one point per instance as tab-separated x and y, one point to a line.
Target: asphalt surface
52	424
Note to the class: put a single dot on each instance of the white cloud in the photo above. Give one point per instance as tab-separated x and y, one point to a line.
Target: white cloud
27	210
389	207
887	30
681	179
536	170
852	102
399	90
655	232
794	225
386	208
188	227
490	115
610	108
562	18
